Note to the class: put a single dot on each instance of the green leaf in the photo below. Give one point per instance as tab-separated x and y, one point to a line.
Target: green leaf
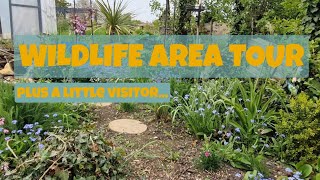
299	164
306	170
264	131
63	175
316	177
282	178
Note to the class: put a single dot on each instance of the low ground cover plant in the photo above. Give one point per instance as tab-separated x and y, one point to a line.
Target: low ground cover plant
64	155
51	141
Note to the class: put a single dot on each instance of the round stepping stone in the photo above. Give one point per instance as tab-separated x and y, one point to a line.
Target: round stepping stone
128	126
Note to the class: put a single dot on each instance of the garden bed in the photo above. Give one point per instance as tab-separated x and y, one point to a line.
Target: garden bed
165	151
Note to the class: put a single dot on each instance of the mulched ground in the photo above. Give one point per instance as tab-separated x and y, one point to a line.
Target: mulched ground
171	151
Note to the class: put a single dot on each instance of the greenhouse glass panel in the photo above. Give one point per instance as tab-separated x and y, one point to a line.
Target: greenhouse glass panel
25	2
21	15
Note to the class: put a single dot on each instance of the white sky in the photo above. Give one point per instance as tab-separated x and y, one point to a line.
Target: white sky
140	8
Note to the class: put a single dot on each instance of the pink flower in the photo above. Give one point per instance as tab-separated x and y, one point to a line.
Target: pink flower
1	121
294	79
5	166
207	154
6	131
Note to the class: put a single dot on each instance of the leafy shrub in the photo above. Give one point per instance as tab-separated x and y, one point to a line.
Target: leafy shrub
301	127
80	154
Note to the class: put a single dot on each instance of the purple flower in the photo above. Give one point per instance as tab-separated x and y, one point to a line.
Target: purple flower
14	121
214	112
19	131
186	96
297	175
29	133
228	134
54	115
1	129
47	116
201	109
266	145
36	123
13	131
28	126
288	170
237	138
237	129
45	133
7	138
219	132
238	175
225	143
33	139
41	146
260	175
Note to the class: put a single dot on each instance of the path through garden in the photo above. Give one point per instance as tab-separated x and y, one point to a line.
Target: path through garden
162	151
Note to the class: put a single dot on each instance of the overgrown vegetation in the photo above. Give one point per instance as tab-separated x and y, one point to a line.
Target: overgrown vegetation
241	122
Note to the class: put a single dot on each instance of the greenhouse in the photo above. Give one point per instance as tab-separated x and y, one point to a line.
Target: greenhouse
14	14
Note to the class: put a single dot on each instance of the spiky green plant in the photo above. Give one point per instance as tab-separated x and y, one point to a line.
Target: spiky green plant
116	19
